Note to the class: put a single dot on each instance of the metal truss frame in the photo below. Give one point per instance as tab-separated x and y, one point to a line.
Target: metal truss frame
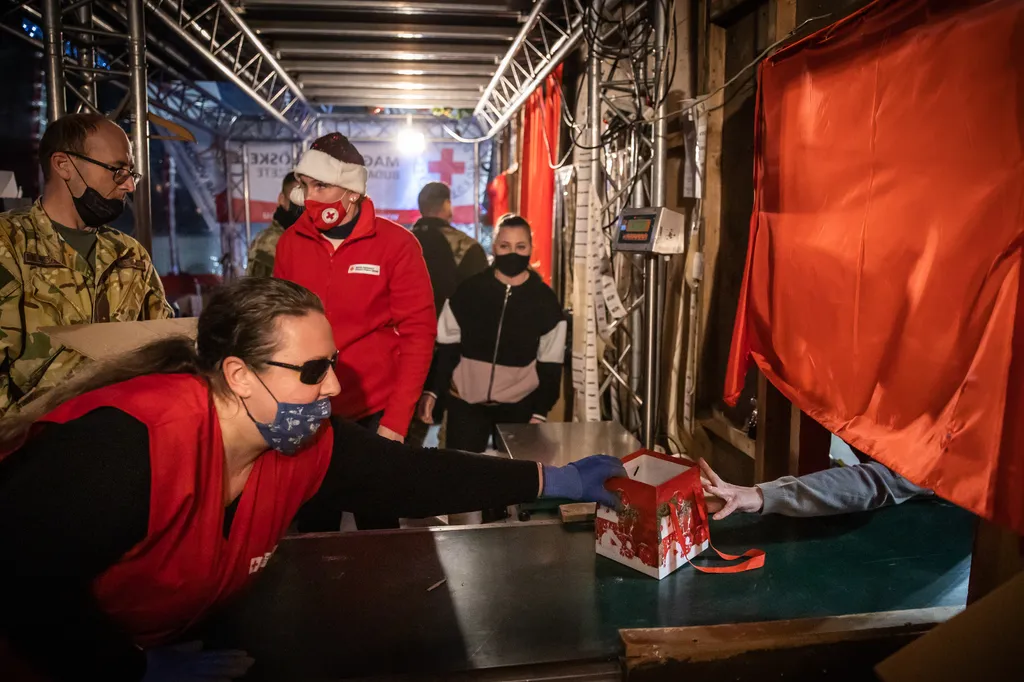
236	233
170	91
386	126
626	121
217	33
82	63
551	31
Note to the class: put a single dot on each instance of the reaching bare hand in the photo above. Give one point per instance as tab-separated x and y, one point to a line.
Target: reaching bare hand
425	409
725	498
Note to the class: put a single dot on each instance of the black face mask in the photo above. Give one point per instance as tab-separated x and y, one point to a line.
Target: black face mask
93	208
511	264
286	217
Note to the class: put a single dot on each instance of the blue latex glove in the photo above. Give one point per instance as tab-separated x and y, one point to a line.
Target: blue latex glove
583	481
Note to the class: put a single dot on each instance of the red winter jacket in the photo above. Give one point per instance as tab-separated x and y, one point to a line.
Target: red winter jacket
378	298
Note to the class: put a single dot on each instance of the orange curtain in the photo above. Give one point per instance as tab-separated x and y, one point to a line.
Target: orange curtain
497	193
542	116
882	291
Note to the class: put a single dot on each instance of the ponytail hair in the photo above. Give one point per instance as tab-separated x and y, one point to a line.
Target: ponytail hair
239	321
513	220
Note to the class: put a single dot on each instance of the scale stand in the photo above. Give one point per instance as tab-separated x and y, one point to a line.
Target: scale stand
653	232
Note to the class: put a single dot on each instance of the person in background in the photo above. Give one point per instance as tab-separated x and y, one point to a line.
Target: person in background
370	274
60	264
500	346
264	246
838	490
139	497
452	257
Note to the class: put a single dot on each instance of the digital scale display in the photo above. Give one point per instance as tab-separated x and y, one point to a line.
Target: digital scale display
635	229
650	230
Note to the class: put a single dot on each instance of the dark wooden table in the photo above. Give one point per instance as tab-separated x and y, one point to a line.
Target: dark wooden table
347	605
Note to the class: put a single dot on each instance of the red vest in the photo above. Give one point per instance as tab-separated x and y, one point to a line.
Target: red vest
185	566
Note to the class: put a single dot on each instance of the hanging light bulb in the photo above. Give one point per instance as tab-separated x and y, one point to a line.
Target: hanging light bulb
411	141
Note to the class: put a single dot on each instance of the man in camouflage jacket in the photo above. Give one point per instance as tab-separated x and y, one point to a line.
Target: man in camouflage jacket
452	256
264	245
59	265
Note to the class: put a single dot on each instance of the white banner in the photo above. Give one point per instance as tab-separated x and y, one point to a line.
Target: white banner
394	183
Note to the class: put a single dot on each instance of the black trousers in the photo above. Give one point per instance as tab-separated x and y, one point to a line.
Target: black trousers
471	426
312	520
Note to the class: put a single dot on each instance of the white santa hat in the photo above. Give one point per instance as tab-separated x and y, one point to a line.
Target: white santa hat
334	160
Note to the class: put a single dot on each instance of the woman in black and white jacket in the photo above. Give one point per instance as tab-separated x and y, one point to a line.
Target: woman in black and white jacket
501	344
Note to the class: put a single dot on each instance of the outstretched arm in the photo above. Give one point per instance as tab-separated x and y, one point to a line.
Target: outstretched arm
839	490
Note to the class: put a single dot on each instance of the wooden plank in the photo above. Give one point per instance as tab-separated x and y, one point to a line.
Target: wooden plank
772	444
712	202
996	558
788	442
982	643
809	444
785	17
724	12
577	512
719	425
715	642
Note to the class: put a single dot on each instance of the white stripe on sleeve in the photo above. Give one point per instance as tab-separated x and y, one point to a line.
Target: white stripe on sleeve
552	345
448	330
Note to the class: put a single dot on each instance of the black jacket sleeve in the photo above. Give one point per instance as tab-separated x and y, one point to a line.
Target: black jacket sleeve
446	359
474	261
73	500
543	399
550	356
440	265
372	475
448	350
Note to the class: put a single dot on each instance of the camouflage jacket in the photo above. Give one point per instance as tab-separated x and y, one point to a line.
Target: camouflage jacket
44	282
460	244
262	250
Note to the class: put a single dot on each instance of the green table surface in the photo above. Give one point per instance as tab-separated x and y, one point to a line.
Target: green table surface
342	605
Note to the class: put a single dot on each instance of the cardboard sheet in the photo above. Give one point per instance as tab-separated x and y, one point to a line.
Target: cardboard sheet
104	340
982	643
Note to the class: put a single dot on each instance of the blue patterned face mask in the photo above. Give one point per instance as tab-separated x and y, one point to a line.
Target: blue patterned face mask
294	423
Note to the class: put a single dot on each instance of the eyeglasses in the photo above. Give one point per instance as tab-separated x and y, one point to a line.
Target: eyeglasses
311	372
121	175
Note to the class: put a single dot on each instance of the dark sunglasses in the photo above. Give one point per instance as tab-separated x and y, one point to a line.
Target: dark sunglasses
311	372
121	175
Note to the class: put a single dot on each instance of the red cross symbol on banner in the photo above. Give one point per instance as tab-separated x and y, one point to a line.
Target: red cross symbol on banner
447	167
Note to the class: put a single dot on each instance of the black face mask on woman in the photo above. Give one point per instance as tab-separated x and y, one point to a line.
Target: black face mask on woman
511	264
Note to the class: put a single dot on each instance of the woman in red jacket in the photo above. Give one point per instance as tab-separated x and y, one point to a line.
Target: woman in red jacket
370	274
137	498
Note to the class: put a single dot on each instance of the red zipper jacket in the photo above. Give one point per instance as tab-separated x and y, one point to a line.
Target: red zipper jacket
377	294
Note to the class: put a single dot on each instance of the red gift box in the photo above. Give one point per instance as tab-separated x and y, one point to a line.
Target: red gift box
664	522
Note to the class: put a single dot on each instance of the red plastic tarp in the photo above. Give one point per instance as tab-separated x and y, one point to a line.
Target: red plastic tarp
541	128
882	291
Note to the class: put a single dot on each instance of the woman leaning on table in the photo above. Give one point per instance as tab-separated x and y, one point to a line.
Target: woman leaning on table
137	498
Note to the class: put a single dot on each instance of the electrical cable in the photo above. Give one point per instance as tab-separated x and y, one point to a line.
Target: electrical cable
757	60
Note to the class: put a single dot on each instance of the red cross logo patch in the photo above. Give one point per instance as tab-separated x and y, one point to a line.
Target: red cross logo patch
329	215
